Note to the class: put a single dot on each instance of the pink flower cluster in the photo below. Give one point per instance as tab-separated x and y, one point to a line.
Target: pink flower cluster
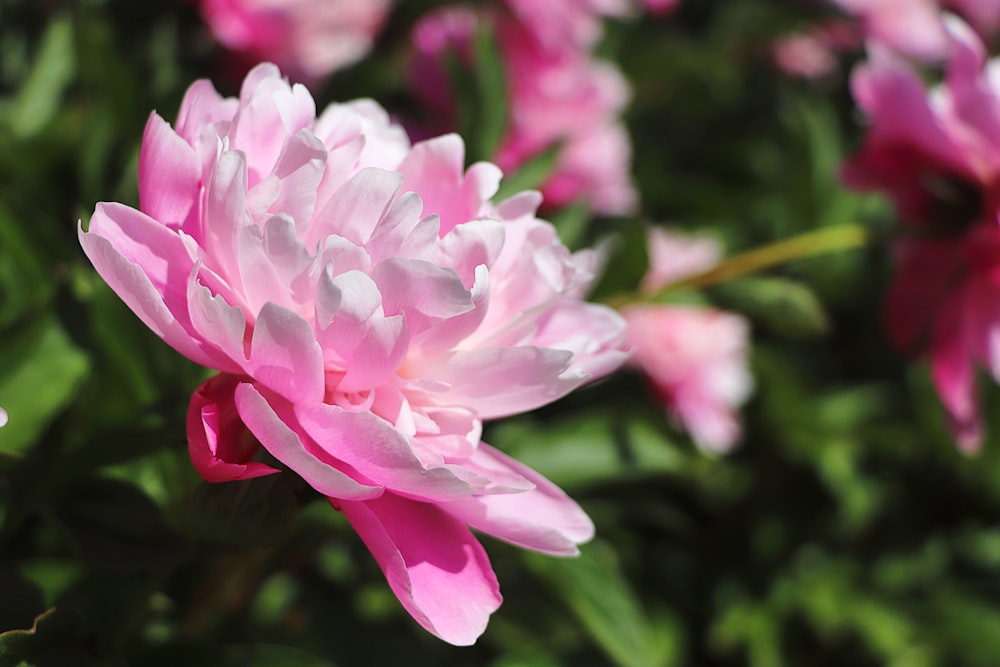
557	93
695	357
367	306
936	153
913	28
308	39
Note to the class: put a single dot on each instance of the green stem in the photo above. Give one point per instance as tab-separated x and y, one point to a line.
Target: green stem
809	244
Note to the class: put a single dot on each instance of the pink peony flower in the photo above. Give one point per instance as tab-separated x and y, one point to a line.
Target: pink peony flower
309	39
555	96
694	357
937	155
367	306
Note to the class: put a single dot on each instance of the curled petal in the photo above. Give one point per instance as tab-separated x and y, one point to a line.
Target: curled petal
216	320
371	446
436	169
143	262
169	173
426	293
220	446
356	334
501	381
285	356
203	107
434	565
593	333
356	208
275	426
543	518
271	112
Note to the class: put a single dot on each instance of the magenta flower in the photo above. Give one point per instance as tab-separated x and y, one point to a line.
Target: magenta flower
983	15
557	95
367	307
695	357
937	155
912	27
661	7
308	39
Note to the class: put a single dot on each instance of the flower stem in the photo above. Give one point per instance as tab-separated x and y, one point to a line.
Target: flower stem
809	244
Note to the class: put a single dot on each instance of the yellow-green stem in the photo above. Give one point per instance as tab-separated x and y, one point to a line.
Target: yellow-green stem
809	244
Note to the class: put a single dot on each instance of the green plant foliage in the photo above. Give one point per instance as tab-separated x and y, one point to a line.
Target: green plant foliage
595	590
844	529
43	371
782	306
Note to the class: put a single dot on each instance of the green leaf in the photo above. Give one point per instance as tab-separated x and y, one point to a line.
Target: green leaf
41	95
587	448
491	94
571	222
24	279
783	306
51	576
253	512
481	90
40	370
595	590
532	174
627	258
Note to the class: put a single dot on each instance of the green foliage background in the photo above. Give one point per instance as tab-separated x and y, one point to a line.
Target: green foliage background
846	530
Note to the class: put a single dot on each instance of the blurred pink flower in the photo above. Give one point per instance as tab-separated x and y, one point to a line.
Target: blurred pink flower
367	306
3	417
309	39
937	155
561	24
696	360
556	95
912	27
694	357
674	256
916	27
814	53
